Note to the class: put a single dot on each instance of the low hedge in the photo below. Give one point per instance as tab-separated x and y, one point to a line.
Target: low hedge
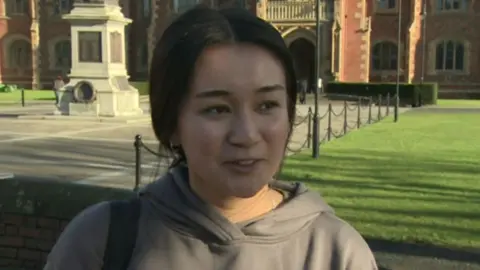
142	87
409	94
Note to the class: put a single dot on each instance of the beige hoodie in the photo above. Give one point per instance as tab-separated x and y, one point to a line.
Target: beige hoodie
178	231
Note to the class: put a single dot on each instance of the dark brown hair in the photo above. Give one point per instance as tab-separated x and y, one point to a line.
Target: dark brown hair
180	46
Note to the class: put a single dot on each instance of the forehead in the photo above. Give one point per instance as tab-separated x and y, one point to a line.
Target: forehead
237	67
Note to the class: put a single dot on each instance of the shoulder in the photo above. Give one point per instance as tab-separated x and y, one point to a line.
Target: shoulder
350	249
82	244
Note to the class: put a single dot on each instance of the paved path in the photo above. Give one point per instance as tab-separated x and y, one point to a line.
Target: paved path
102	153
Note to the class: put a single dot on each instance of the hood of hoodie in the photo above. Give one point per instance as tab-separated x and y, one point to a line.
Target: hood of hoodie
186	212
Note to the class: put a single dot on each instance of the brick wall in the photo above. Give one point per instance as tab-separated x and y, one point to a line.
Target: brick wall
33	213
26	240
353	41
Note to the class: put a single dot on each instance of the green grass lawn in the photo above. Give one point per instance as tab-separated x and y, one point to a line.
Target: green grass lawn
459	103
35	95
415	181
30	95
142	87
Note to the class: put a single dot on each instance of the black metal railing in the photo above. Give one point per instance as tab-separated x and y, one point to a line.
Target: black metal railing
351	116
349	110
164	160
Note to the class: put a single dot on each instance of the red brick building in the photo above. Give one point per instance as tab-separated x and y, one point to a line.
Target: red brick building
35	40
358	38
439	42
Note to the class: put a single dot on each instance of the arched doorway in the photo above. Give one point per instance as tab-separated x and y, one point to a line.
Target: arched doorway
303	53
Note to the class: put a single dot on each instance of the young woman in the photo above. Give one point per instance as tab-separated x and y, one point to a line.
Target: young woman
222	94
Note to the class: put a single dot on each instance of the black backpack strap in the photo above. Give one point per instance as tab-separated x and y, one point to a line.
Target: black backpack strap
122	234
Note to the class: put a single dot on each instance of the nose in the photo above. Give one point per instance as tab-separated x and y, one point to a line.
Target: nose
244	130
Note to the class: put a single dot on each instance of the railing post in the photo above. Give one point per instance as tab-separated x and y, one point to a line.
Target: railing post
329	128
345	116
379	116
309	129
388	104
370	110
138	161
23	97
359	107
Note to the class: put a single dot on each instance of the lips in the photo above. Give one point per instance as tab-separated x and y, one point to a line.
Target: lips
243	166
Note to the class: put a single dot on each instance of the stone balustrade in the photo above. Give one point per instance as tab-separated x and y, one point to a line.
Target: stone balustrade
302	11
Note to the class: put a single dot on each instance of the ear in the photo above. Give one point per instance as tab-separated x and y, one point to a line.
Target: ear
175	139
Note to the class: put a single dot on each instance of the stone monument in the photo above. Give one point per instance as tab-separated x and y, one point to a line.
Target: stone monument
98	79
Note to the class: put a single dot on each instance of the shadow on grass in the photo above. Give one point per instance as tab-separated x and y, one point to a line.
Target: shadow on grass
424	250
372	172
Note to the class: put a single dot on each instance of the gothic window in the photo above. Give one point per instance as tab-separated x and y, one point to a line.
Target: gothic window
62	53
147	8
90	47
450	5
384	56
386	4
450	56
17	7
20	54
62	6
184	5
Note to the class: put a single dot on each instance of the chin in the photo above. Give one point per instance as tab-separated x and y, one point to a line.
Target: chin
244	188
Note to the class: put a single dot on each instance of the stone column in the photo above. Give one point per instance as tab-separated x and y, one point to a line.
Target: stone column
151	38
98	25
35	43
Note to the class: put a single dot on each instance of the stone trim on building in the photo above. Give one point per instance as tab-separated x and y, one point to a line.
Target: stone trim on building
413	39
3	10
337	41
35	42
293	33
365	29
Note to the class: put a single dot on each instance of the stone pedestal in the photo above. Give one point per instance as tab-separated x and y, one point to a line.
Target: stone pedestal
98	57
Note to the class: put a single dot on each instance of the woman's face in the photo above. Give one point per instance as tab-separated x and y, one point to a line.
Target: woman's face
234	125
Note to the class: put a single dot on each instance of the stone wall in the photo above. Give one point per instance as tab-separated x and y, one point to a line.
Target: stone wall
33	213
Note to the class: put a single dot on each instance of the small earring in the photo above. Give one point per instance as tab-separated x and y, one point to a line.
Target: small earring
174	146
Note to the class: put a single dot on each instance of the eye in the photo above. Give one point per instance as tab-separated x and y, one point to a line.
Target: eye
268	105
215	110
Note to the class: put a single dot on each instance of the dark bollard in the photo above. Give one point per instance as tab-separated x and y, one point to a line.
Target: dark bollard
329	128
370	110
23	97
138	161
309	131
379	114
345	117
388	104
359	108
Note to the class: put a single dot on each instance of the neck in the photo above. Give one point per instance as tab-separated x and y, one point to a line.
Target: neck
238	209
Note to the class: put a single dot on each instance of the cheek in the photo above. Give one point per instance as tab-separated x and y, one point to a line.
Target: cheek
199	136
276	132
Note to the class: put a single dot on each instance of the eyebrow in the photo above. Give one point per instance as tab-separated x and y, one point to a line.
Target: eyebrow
223	93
